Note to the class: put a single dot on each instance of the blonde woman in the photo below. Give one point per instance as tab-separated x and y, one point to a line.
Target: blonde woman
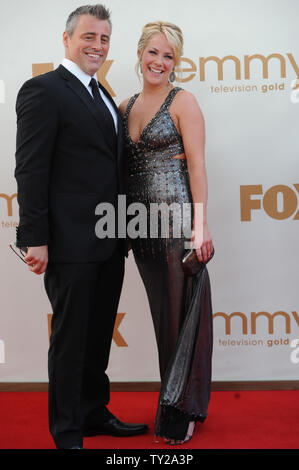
165	139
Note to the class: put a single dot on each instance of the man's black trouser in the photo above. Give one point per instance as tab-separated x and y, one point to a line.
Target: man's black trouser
84	299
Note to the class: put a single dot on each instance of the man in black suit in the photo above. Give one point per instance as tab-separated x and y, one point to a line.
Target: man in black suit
69	158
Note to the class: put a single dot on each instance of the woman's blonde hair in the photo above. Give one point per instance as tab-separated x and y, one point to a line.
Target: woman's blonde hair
173	35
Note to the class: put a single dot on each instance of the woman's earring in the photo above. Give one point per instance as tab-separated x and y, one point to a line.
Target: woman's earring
172	77
140	68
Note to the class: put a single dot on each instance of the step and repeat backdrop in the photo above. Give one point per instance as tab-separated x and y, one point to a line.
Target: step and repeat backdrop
241	61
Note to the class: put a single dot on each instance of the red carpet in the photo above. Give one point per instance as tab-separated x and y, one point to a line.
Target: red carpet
237	420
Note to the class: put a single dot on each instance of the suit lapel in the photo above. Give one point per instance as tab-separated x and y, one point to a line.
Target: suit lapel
120	143
82	93
119	122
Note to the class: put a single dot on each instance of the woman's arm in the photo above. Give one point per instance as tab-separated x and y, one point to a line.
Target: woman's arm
192	128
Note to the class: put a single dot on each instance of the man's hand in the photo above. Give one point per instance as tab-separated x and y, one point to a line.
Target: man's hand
37	259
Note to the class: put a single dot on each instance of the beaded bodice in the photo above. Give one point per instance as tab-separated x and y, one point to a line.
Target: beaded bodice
153	172
155	176
159	135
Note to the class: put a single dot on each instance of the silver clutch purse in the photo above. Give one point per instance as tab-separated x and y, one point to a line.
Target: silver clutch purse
191	264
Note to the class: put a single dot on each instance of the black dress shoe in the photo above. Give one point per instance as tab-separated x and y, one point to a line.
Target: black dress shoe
114	427
69	448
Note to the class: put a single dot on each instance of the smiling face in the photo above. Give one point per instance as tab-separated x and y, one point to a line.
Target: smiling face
157	60
88	46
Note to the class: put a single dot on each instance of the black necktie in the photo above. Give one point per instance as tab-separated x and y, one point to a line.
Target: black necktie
101	106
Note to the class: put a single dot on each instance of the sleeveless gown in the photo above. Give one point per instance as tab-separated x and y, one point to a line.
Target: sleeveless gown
180	305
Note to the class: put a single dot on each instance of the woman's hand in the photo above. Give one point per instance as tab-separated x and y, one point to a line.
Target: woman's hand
203	244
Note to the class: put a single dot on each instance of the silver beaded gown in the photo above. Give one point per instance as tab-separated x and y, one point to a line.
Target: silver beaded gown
180	305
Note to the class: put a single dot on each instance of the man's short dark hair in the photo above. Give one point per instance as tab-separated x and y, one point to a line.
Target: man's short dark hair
98	11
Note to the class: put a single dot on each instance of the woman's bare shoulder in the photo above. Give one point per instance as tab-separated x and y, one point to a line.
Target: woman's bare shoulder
187	103
185	97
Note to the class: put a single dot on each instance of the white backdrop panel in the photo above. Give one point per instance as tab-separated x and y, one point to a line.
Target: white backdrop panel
252	142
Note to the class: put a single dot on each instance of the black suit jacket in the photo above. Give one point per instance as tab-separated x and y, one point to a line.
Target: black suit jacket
66	164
